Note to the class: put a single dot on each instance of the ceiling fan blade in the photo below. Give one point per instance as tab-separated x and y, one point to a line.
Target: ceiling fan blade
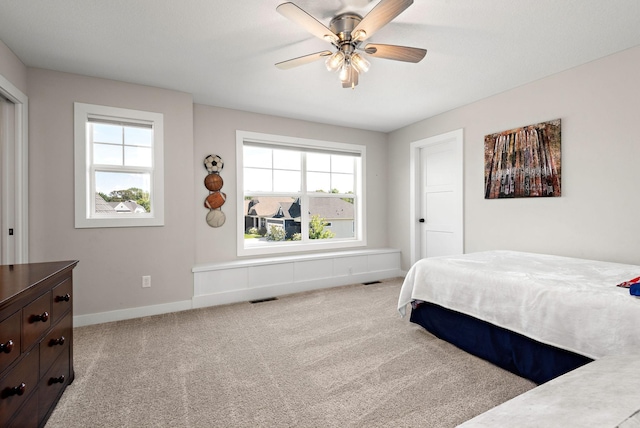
312	25
396	53
302	60
380	16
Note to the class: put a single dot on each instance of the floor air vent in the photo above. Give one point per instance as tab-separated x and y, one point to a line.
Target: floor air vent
268	299
372	282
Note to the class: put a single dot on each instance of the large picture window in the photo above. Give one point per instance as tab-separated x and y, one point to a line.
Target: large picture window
298	194
118	166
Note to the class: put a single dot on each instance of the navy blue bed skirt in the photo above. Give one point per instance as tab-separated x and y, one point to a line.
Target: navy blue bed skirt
511	351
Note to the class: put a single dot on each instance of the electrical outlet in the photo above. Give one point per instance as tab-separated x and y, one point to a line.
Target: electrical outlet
146	281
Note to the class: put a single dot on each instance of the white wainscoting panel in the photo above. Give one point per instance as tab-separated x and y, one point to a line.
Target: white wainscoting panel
354	265
382	263
309	270
226	280
245	280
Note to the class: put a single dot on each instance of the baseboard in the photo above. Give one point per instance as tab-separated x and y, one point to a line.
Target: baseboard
125	314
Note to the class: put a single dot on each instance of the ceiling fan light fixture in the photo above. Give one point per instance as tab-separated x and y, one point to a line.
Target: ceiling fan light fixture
360	63
345	72
349	77
358	36
331	38
335	61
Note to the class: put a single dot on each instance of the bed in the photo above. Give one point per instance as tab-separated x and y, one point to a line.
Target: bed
536	315
602	394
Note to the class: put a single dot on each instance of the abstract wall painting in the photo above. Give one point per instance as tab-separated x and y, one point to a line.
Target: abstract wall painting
523	162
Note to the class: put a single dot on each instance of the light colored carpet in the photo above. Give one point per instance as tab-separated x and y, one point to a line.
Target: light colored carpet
338	357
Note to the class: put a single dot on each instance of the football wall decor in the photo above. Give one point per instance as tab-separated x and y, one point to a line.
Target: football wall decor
215	200
213	182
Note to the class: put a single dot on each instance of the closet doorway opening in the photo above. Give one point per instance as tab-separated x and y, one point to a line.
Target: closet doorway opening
14	198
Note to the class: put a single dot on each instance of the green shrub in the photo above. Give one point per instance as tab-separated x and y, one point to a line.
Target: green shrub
276	233
317	228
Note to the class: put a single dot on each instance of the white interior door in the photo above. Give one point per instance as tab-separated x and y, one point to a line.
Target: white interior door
439	212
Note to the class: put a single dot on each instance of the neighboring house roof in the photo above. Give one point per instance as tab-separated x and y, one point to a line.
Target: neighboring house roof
127	207
289	210
102	206
134	207
265	206
278	207
331	208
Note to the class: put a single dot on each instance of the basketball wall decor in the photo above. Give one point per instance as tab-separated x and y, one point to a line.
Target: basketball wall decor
213	182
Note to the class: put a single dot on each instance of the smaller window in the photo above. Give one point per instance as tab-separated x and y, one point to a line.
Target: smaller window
118	167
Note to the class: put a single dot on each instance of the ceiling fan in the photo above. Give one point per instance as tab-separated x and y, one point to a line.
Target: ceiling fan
346	32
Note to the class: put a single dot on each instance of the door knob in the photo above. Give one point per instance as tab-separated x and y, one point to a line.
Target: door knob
421	220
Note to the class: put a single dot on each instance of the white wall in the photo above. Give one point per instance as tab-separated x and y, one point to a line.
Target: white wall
597	215
112	260
215	133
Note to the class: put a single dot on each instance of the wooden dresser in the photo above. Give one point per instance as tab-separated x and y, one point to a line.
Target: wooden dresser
36	340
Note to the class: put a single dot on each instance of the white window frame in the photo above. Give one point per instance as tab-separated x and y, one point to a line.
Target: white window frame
84	183
280	247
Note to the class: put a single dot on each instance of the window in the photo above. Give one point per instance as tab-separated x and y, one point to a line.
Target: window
118	167
298	194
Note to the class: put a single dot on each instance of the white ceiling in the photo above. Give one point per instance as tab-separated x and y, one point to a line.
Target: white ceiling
223	52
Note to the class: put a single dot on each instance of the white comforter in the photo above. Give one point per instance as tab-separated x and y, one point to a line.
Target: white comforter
569	303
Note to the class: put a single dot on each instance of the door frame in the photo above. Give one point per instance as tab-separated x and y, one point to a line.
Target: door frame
457	137
16	250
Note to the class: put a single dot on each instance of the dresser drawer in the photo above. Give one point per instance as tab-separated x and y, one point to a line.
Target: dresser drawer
27	416
17	385
54	343
53	383
9	341
61	299
36	319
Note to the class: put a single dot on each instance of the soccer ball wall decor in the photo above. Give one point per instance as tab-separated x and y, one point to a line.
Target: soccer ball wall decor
213	163
213	182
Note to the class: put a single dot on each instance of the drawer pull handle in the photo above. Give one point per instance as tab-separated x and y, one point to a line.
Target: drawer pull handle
55	380
64	298
44	317
16	390
55	342
6	347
